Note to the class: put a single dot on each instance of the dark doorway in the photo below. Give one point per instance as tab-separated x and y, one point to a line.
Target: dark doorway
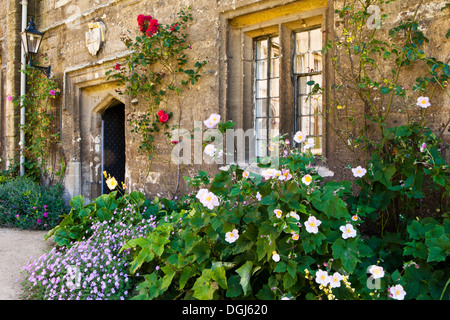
113	140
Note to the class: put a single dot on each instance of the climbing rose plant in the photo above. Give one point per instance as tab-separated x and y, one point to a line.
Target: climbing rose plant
157	71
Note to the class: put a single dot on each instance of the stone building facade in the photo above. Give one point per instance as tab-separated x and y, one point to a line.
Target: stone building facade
246	43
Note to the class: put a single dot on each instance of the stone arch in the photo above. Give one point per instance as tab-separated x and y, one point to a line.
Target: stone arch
108	101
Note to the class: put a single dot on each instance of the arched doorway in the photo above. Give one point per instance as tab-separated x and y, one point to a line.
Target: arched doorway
113	144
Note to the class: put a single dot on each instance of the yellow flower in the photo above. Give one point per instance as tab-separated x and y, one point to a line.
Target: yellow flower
104	174
111	183
340	107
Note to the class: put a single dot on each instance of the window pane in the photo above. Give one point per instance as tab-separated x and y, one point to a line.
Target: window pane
261	148
261	49
317	78
316	104
316	62
261	69
274	124
274	47
316	125
317	149
301	63
261	107
261	89
301	40
274	88
305	125
304	106
275	68
261	128
303	88
274	107
316	39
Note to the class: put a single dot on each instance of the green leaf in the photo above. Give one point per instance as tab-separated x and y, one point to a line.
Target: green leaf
234	287
203	288
201	251
218	275
167	279
280	267
185	275
245	273
347	252
104	214
438	248
77	202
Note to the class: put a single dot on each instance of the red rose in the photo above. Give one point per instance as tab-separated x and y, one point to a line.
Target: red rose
152	27
117	66
160	113
142	19
163	118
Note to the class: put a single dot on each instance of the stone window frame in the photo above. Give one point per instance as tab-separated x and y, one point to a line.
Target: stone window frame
237	63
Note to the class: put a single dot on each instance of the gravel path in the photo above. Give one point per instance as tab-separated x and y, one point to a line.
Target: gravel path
17	248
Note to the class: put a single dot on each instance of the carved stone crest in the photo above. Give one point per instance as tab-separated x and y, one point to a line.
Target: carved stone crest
95	37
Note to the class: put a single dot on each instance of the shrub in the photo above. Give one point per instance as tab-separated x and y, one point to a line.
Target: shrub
27	205
289	234
92	268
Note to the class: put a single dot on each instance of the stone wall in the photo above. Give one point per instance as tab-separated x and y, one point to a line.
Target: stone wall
219	34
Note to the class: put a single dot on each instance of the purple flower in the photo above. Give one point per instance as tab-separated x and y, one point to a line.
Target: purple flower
52	92
45	214
38	221
45	206
10	98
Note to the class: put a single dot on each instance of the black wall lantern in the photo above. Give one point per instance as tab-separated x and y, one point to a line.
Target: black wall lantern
31	40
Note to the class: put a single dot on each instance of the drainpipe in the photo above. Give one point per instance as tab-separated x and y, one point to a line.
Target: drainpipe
23	89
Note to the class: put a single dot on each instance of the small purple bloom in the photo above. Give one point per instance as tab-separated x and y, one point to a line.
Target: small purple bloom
52	92
45	214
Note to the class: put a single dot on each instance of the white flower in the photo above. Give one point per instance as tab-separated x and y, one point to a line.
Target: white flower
348	231
275	256
322	277
397	292
423	102
200	193
309	143
295	236
245	174
299	137
258	196
355	217
335	280
271	173
376	272
212	121
111	183
294	215
232	236
285	175
278	213
359	172
312	225
210	150
208	199
307	179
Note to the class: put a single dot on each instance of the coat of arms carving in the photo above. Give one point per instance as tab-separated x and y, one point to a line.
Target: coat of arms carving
95	37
